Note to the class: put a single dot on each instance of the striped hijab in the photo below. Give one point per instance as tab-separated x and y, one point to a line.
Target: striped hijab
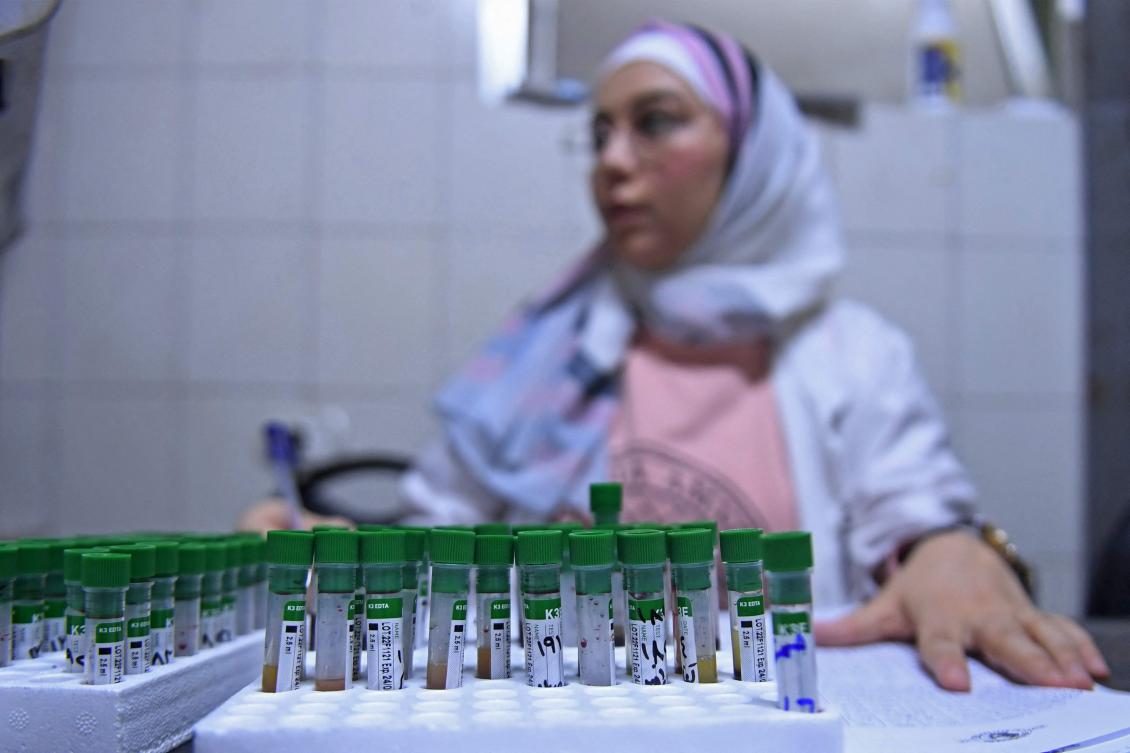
528	416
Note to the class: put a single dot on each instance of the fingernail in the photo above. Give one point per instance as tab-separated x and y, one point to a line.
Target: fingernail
1080	677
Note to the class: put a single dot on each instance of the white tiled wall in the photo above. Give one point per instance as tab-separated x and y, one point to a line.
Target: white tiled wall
294	208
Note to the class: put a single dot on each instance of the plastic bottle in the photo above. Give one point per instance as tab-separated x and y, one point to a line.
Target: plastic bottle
935	65
692	554
162	615
335	553
105	580
27	606
139	646
382	560
742	555
284	641
494	554
788	562
187	617
593	554
7	586
643	554
452	552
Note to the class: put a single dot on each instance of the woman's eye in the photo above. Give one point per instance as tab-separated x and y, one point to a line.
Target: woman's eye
656	123
599	137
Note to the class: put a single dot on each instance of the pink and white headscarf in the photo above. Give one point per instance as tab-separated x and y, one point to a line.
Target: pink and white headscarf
528	417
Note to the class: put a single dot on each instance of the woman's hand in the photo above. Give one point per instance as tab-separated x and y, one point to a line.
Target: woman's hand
273	514
954	595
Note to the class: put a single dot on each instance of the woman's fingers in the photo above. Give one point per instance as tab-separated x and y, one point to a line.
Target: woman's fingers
1092	657
941	649
1006	644
1062	647
881	619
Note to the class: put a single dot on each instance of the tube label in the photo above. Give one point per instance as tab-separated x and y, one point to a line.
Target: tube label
292	645
456	643
186	626
105	659
796	662
138	648
76	643
54	625
409	633
647	641
5	634
356	638
545	653
751	645
27	626
385	617
688	650
499	638
211	618
161	635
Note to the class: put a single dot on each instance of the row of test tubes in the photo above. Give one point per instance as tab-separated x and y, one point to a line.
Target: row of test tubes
112	606
366	587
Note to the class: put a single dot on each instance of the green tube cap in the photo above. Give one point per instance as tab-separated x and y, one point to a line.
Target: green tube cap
383	547
691	546
742	545
31	558
606	498
539	547
592	548
290	548
642	546
215	556
143	559
494	550
335	547
789	551
192	558
7	562
493	529
72	561
452	546
415	543
167	560
105	570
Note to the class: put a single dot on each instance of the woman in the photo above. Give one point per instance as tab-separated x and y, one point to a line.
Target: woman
696	356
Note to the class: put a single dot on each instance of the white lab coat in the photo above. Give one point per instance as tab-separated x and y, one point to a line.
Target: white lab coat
870	457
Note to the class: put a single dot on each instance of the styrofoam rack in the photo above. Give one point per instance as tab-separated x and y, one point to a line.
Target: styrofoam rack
487	716
43	708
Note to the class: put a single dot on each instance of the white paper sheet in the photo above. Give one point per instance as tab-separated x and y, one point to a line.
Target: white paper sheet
890	704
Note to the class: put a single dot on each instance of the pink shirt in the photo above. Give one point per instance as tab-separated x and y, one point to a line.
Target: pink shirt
698	436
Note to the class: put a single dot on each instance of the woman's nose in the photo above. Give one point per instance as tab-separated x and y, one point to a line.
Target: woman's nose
617	155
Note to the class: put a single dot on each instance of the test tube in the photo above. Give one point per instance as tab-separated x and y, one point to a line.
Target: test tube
539	570
54	599
74	616
423	591
245	586
606	500
494	553
357	638
7	586
593	553
284	641
335	553
212	594
452	552
188	591
162	613
382	559
568	585
692	553
788	564
139	648
233	560
105	580
712	526
27	607
741	553
414	539
619	601
260	583
643	554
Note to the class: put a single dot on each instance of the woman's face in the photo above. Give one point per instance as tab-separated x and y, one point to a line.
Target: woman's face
660	164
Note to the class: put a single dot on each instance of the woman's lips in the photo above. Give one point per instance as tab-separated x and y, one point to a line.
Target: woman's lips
625	214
